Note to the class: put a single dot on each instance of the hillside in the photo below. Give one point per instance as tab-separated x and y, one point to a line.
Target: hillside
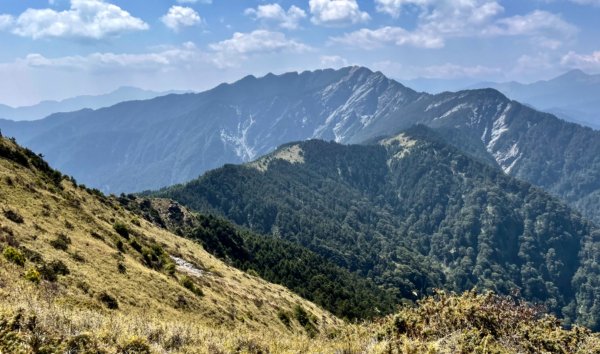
291	265
412	212
78	269
134	146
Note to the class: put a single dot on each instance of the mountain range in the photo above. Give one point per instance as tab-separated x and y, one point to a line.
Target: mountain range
46	108
139	145
388	204
572	96
81	272
412	213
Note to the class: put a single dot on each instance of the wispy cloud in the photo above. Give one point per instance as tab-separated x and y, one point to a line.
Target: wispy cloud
158	60
440	20
583	61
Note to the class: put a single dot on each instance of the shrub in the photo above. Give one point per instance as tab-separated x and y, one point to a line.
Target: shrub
83	286
121	268
169	266
305	321
82	343
251	347
77	257
13	216
284	317
109	300
135	245
14	255
121	229
31	255
51	271
120	246
188	283
135	345
33	275
61	242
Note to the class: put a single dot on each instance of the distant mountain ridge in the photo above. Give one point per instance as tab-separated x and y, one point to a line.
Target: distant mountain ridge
574	95
46	108
140	145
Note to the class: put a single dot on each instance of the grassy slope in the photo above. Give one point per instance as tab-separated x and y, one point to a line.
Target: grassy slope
234	304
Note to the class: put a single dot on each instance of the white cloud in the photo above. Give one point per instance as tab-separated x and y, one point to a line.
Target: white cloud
370	39
230	52
336	12
160	60
179	16
332	61
274	12
6	21
535	23
89	19
258	41
582	61
439	20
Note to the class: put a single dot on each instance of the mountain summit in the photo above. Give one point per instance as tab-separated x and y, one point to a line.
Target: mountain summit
141	145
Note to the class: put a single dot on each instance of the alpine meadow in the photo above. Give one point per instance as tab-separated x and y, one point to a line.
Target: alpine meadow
302	176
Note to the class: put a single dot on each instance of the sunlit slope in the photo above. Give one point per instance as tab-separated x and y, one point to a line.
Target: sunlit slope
81	263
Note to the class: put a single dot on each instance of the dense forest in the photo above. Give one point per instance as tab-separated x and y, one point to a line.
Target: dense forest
278	261
412	212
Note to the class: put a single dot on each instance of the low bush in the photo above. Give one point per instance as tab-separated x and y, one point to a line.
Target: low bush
135	245
31	255
189	284
33	275
109	300
135	345
82	343
304	319
14	255
13	216
50	271
120	246
284	317
121	229
121	268
251	347
61	242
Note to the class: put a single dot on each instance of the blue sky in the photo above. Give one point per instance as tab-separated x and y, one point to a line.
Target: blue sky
61	48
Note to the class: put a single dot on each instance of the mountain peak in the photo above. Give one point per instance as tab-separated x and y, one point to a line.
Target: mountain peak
575	74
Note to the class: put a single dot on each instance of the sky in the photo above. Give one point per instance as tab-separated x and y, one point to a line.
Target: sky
54	49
